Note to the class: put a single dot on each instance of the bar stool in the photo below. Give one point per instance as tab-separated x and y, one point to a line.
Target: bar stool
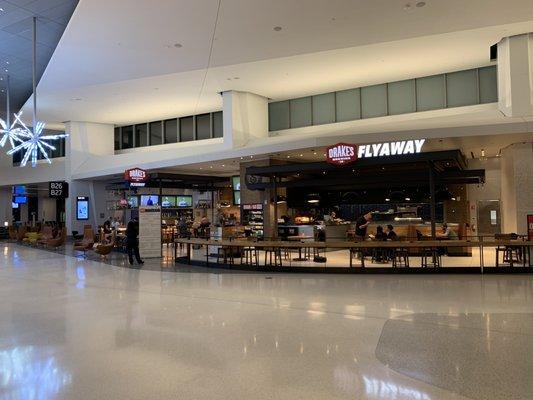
273	252
354	253
511	255
250	256
226	253
400	257
434	257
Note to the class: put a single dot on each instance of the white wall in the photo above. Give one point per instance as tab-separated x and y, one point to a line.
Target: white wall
517	186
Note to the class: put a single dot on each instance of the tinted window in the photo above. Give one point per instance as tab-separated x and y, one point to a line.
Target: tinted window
156	133
141	135
171	131
186	129
127	137
203	126
218	130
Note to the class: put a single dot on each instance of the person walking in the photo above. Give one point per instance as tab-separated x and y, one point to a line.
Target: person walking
132	242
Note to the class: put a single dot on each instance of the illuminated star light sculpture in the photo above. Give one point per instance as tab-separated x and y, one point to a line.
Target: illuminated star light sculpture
9	133
33	143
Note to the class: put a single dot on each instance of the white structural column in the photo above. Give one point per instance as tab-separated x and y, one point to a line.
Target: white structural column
515	75
245	118
86	140
517	187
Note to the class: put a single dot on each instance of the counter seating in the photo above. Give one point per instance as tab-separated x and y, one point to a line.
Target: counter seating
511	254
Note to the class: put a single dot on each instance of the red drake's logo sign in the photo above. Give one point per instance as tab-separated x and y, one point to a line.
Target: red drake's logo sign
341	153
136	175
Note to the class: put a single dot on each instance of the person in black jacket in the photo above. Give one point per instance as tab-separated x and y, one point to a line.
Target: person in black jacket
132	241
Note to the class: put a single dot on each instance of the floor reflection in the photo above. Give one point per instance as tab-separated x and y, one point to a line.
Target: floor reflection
28	374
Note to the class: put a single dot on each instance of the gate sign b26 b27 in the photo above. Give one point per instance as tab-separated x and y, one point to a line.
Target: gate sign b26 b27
136	176
341	153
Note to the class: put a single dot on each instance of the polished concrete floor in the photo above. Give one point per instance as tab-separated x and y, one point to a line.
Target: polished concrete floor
80	329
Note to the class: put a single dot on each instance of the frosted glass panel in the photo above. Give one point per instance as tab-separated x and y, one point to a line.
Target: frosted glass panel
430	93
300	112
461	88
402	97
348	105
278	115
488	85
374	101
324	109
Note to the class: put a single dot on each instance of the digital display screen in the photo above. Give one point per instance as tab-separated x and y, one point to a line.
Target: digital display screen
236	182
149	200
82	208
237	197
184	201
14	205
133	201
168	201
20	199
19	190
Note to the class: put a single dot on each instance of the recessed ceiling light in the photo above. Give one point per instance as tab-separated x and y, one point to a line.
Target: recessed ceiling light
7	62
278	28
178	45
407	199
236	78
288	156
76	99
324	154
1	9
211	166
301	155
421	4
223	165
387	199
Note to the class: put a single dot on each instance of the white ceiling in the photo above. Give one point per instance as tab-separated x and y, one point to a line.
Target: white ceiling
119	57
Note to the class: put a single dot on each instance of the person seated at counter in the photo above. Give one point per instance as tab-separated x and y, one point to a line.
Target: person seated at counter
391	235
380	235
361	225
447	233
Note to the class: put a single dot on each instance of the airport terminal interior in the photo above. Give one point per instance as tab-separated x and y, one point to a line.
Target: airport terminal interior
284	199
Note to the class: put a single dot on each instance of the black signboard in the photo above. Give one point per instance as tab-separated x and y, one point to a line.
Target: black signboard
58	190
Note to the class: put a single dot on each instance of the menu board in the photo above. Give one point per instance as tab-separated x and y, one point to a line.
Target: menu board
150	231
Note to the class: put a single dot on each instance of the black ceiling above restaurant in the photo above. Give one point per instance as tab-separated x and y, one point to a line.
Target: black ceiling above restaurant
16	43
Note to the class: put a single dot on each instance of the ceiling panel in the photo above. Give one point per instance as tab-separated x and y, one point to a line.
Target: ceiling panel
16	43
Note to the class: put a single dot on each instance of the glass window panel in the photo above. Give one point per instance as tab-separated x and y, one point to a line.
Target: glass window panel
127	137
488	85
141	135
324	108
300	112
171	131
402	97
348	105
278	115
218	130
186	129
203	126
461	88
156	133
430	93
117	138
374	101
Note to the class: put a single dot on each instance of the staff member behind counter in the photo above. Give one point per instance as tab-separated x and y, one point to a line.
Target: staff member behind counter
361	225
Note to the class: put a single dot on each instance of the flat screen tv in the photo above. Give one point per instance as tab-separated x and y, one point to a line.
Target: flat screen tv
20	199
149	200
168	201
184	201
133	201
19	190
